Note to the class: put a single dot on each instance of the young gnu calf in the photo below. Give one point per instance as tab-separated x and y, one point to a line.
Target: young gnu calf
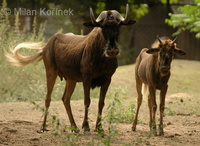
152	72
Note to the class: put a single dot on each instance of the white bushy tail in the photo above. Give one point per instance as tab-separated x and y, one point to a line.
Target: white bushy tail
145	91
19	60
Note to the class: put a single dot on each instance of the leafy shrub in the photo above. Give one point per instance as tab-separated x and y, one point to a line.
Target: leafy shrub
117	111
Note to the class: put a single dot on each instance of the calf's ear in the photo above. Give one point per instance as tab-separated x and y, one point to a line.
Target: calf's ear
179	51
152	50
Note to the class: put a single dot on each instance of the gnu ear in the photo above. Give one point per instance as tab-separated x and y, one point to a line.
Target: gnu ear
179	51
130	22
90	24
152	50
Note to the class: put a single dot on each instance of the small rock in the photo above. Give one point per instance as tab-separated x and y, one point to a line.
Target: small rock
35	139
169	123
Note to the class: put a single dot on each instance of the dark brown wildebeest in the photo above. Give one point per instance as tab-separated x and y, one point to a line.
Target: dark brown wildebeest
152	72
91	59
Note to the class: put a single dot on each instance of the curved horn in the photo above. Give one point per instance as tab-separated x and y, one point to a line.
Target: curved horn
92	16
117	15
127	14
159	39
101	16
174	40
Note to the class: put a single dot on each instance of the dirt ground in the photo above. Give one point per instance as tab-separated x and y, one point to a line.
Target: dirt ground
19	124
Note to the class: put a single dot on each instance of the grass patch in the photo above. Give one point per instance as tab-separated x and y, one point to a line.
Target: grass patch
170	112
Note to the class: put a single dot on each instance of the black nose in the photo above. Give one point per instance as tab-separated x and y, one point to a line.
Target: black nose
112	53
165	69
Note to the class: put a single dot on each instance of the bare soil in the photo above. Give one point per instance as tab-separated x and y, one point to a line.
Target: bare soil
19	125
20	122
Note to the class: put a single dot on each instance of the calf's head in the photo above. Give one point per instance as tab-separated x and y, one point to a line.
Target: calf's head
110	22
166	50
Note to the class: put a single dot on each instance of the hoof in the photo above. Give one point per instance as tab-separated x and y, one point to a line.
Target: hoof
161	133
153	132
100	132
133	128
74	129
87	132
42	130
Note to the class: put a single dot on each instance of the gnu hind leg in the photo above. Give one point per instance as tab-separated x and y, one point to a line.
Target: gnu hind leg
69	89
51	77
139	102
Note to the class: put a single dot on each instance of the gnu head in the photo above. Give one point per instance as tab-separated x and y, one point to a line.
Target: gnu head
110	21
166	50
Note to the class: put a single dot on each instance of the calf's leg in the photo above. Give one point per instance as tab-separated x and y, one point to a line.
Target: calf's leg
162	108
69	89
152	109
139	102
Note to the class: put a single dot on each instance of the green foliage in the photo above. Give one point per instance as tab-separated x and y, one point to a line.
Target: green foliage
187	19
170	112
171	1
37	107
58	126
193	111
117	112
100	7
139	10
140	140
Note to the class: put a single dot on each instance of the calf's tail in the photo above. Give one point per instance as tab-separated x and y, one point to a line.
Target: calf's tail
145	91
17	59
